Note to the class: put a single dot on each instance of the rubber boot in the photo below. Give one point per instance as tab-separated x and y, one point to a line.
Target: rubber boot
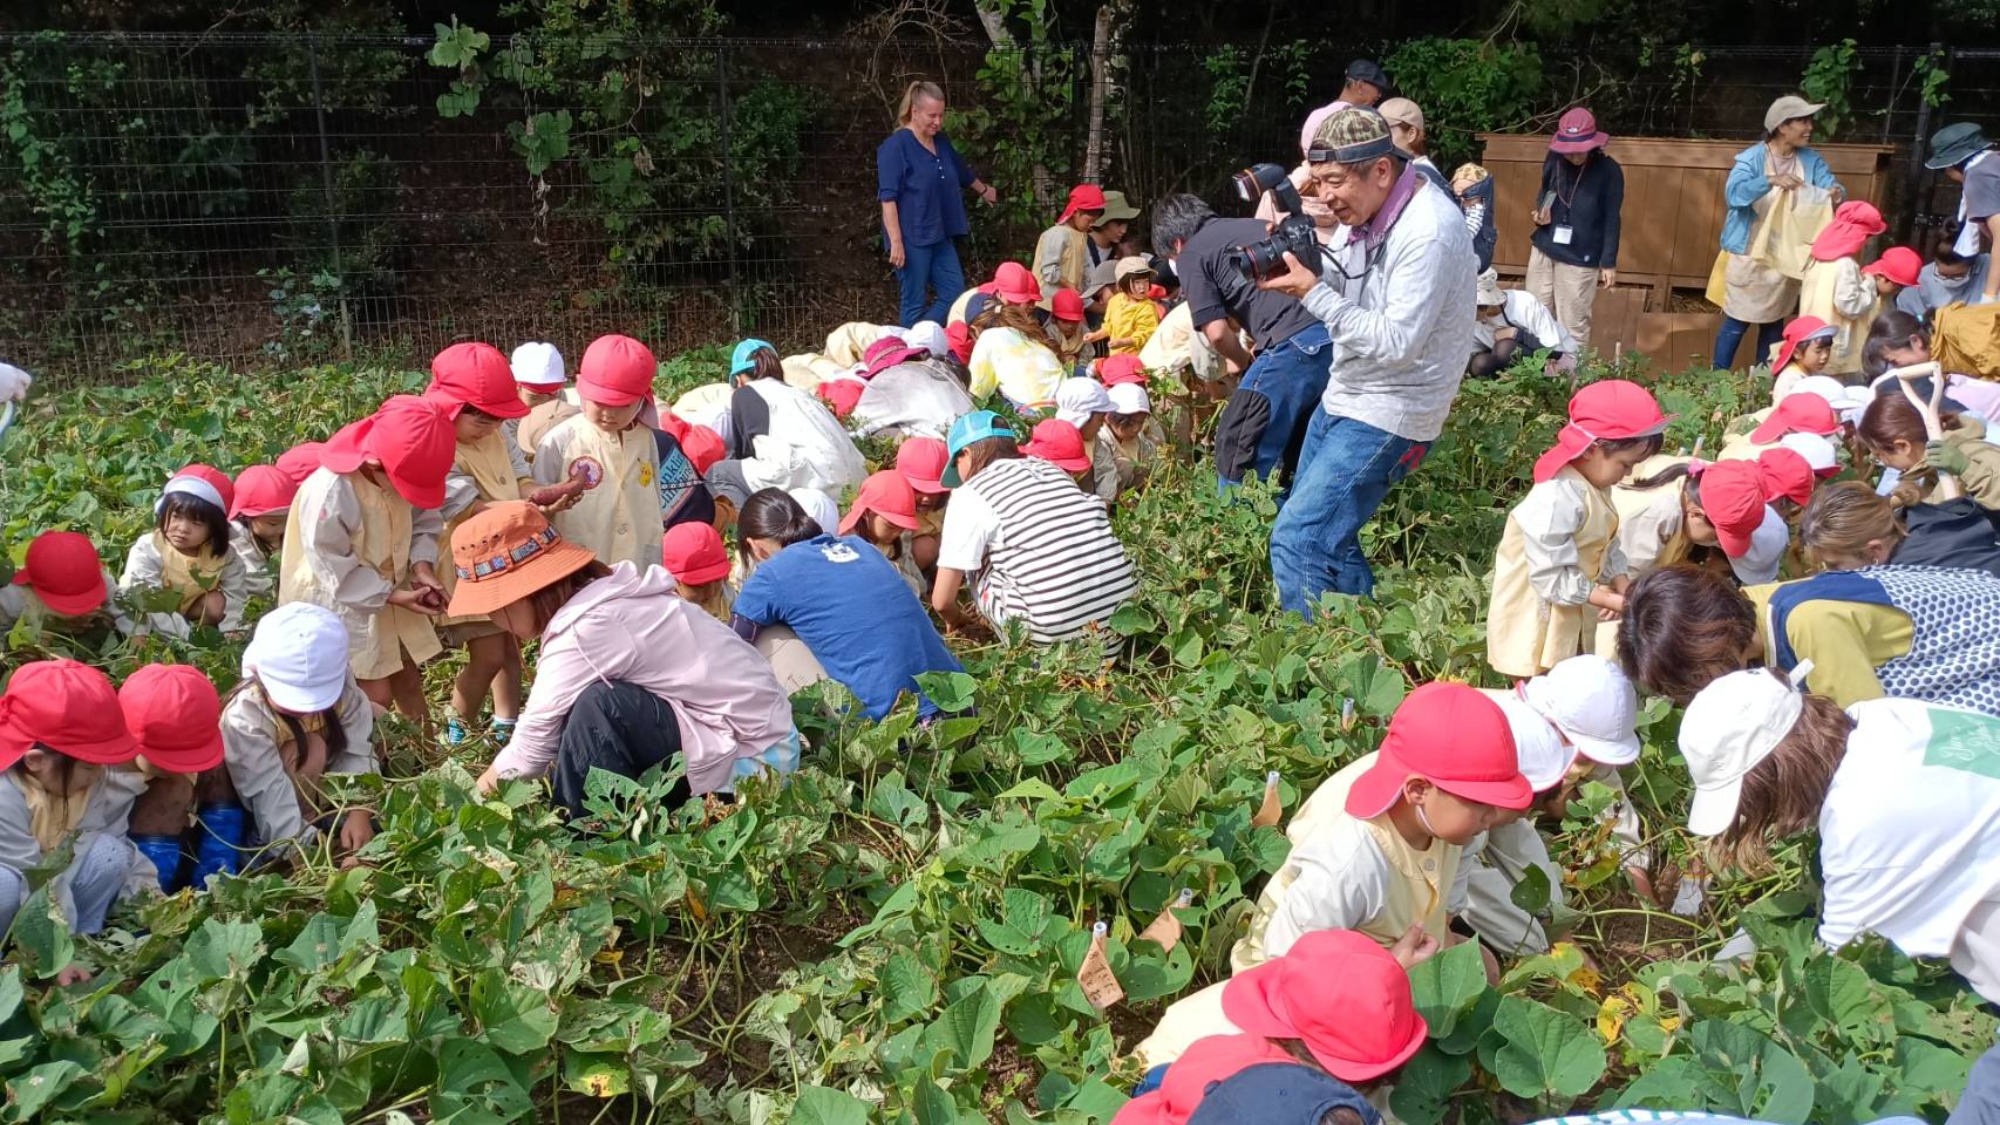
219	847
503	731
165	852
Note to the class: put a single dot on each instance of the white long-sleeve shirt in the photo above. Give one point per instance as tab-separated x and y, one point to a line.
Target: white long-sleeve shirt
1401	318
146	570
1549	517
250	742
1521	310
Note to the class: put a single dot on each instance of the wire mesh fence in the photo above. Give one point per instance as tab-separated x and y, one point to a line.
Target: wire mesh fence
284	199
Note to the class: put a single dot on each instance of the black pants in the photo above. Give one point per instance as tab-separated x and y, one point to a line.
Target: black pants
617	727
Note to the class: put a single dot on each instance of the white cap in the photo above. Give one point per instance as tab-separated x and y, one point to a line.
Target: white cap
539	365
1130	398
1818	452
192	486
1538	748
1593	703
1825	386
1732	725
1079	397
820	507
928	335
299	655
14	382
1489	290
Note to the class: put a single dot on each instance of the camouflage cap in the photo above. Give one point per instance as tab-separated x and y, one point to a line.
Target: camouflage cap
1353	134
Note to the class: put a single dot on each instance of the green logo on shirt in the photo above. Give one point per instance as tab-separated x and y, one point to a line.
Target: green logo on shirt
1964	741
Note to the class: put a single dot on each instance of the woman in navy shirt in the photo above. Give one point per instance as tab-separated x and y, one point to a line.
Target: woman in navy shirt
919	181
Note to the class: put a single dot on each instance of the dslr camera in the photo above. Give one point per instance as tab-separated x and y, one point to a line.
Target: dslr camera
1294	234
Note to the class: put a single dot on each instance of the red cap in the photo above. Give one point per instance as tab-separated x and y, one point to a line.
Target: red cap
70	708
887	494
475	375
699	444
63	570
261	490
959	337
1060	444
888	352
840	395
1205	1062
1899	264
1732	497
1786	473
215	478
301	460
921	460
1067	305
1453	737
1578	132
1083	197
1797	332
410	438
175	715
1346	997
616	371
1798	414
1015	285
1854	223
1113	370
693	553
1607	410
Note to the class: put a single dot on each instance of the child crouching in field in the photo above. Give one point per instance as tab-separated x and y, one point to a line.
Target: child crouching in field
1559	553
188	554
884	513
263	501
174	714
922	461
63	589
363	539
695	555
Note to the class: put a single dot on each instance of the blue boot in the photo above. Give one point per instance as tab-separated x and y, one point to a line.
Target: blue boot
219	847
165	852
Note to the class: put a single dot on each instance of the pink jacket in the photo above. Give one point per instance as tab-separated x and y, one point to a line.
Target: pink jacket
633	627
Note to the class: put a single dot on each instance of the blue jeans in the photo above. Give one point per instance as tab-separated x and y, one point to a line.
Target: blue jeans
1345	470
1731	338
928	269
1263	426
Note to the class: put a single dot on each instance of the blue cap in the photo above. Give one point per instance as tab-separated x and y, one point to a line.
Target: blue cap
976	426
745	356
1279	1094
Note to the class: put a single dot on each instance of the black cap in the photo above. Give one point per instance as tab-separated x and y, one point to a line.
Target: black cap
1367	70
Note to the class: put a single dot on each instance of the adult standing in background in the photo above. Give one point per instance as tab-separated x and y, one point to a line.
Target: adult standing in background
1574	250
1364	85
1763	174
1406	128
1964	154
919	179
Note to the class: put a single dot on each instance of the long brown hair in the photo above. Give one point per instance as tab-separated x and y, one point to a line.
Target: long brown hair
1843	518
1684	627
1021	318
1890	419
547	601
1782	794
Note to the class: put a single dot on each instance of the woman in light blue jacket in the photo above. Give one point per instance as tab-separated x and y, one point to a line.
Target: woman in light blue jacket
1782	161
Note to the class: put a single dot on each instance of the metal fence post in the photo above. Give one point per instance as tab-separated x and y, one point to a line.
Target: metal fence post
1913	172
728	190
327	193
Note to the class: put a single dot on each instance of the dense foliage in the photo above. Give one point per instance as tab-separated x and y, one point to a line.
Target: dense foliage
895	934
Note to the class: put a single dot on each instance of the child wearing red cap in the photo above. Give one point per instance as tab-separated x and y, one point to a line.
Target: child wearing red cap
1560	556
174	713
188	555
1807	350
1068	330
1893	429
297	717
922	461
844	600
474	386
693	553
362	540
541	378
1062	253
607	447
1060	444
1834	289
258	515
1716	510
64	590
1386	863
1898	268
60	726
884	513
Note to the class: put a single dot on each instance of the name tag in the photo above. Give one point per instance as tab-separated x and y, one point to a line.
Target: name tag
1561	235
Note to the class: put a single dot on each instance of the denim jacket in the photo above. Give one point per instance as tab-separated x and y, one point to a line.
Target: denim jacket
1747	185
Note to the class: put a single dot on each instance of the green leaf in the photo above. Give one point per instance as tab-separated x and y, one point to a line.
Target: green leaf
10	992
1426	1083
934	1106
1025	917
1754	1077
909	988
28	1093
1545	1052
226	950
512	1017
475	1087
818	1105
966	1029
1447	985
1531	894
1932	1071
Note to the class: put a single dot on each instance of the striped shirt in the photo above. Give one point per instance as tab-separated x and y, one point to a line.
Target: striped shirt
1042	549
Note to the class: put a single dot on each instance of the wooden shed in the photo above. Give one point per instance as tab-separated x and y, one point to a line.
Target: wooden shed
1671	230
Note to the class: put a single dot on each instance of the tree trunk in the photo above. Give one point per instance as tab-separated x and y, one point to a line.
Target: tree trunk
1100	91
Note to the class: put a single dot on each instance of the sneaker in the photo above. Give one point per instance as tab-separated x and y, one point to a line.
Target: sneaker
455	733
503	731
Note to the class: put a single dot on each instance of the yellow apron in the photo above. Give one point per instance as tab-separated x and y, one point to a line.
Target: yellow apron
378	640
1816	291
192	579
53	816
1525	635
304	763
542	418
487	463
619	520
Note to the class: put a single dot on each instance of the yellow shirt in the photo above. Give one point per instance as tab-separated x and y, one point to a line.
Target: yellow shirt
1846	642
1130	322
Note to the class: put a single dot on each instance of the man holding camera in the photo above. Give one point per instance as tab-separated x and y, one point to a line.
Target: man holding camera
1264	423
1396	298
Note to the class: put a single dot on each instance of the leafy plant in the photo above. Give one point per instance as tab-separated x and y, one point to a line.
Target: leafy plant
1828	78
1468	87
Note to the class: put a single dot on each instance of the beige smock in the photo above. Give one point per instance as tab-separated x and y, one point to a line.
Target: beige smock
541	418
1840	294
155	564
1560	542
349	544
486	471
276	779
620	520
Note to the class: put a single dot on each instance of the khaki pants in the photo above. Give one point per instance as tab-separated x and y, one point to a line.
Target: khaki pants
1566	291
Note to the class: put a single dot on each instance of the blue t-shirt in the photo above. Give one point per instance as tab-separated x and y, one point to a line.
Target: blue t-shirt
927	188
852	608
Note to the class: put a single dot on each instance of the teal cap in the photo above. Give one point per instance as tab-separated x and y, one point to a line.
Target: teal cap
976	426
745	356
